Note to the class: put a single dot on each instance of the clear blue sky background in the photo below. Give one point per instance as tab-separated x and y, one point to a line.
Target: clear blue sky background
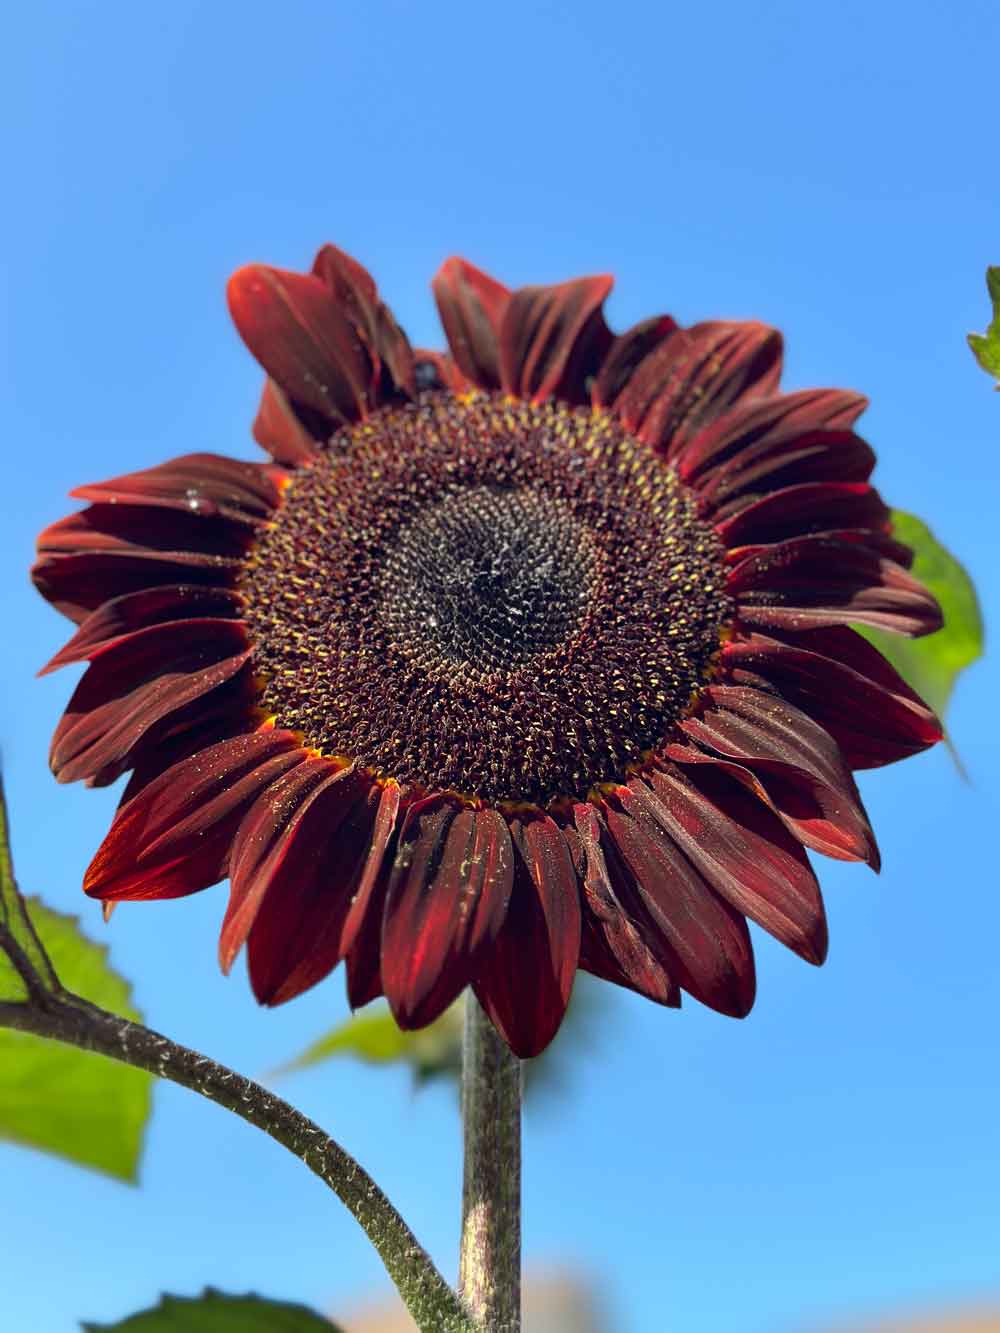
828	168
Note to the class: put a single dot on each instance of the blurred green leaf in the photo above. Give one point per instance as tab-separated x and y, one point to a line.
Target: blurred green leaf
932	665
436	1051
16	930
215	1312
374	1037
986	347
66	1101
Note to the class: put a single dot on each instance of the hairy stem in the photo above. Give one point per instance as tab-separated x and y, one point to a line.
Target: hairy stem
63	1017
490	1260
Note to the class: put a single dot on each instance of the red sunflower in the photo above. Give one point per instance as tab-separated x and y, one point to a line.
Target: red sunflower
530	656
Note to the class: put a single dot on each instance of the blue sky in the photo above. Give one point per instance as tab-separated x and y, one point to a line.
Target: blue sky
829	169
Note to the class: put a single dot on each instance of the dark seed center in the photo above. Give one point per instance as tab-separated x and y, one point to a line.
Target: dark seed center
514	601
486	579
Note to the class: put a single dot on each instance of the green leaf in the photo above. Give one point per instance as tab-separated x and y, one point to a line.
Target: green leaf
986	347
932	665
66	1101
436	1051
374	1037
17	935
215	1312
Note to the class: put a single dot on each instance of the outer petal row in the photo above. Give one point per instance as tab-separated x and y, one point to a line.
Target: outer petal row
185	524
137	683
332	349
146	571
830	579
648	888
536	342
786	759
844	684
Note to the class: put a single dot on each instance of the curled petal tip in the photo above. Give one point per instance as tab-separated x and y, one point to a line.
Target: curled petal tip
247	281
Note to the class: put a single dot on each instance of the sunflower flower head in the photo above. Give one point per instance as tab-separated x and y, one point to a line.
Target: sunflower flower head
528	656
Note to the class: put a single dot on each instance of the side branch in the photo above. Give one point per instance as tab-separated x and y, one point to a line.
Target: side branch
39	990
430	1300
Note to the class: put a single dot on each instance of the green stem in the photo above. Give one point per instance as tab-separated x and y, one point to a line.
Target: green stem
64	1017
490	1258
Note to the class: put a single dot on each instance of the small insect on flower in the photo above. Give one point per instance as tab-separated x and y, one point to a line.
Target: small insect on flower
527	656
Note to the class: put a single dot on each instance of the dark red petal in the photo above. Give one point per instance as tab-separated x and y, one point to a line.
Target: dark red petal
356	295
590	349
362	931
226	710
768	429
812	581
174	836
351	285
693	376
137	683
230	709
743	851
626	354
396	355
112	621
297	936
280	430
156	753
789	761
548	336
594	952
368	899
817	456
108	550
846	685
78	584
524	981
265	836
448	896
597	959
614	947
876	543
708	941
807	508
184	537
363	966
204	484
305	341
471	305
411	965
